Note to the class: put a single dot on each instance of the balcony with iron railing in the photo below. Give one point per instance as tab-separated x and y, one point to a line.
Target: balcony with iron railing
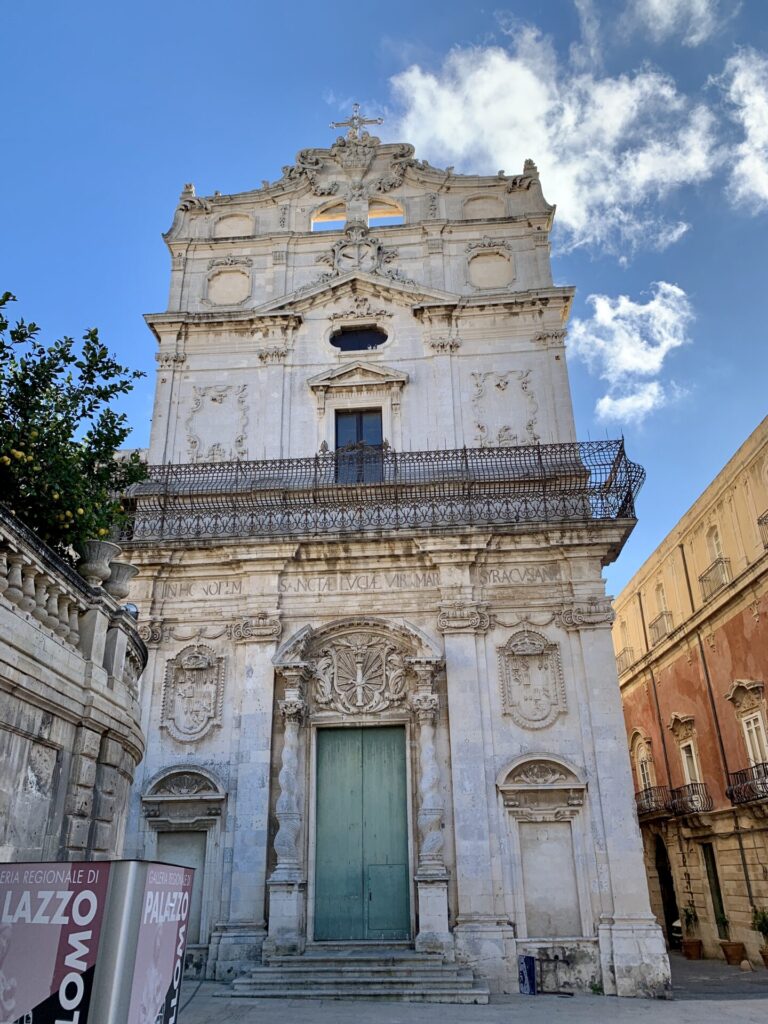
366	487
748	784
690	799
715	577
624	659
653	802
660	627
762	525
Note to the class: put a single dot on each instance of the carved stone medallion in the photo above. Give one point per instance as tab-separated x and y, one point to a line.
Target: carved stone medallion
193	693
359	673
532	684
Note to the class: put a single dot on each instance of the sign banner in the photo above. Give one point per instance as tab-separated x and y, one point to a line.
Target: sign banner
51	917
161	944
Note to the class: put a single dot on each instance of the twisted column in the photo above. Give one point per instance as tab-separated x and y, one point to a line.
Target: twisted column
431	815
288	804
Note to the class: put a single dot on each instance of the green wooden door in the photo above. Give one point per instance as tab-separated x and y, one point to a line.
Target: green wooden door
361	862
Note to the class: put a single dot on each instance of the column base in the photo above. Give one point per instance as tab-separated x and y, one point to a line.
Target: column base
235	949
287	922
633	957
434	935
487	944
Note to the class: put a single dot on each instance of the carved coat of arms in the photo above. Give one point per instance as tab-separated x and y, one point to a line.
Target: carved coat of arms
193	693
360	673
532	684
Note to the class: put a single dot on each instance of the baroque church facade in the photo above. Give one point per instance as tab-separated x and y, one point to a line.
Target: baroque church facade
381	703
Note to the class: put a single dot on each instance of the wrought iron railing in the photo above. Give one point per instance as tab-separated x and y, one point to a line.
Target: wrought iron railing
653	800
762	525
660	627
748	784
624	659
715	577
376	488
690	799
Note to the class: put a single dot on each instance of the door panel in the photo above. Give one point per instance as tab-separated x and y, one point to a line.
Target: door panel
361	872
188	850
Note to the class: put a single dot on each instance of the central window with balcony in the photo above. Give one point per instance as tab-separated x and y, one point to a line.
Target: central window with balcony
358	446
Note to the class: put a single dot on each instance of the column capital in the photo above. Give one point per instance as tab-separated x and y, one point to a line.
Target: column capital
459	616
293	709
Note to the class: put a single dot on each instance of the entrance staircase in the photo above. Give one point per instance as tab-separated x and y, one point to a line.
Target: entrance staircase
392	973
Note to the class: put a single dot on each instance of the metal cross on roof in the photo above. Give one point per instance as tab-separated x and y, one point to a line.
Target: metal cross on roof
356	122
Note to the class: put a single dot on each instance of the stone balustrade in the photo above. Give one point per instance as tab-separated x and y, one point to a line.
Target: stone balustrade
71	661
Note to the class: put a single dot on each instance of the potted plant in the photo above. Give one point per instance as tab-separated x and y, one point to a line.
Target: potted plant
692	947
734	952
760	924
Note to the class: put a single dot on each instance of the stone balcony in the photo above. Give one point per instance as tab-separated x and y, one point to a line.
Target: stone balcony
367	487
70	666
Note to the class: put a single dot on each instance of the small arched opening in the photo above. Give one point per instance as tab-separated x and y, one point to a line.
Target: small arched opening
329	218
385	214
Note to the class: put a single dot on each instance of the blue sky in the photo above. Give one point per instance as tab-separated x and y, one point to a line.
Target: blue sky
648	120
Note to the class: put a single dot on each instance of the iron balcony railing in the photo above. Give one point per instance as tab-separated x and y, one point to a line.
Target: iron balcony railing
715	577
762	524
624	659
690	799
655	800
368	487
748	784
660	627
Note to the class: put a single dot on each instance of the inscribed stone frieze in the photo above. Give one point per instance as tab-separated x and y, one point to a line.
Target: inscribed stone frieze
359	583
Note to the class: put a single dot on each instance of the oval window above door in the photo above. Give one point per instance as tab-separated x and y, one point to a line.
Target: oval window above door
358	339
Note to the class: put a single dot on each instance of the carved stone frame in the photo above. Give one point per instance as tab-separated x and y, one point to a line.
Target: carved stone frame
544	787
201	811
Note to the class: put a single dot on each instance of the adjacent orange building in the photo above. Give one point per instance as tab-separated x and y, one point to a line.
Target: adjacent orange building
691	642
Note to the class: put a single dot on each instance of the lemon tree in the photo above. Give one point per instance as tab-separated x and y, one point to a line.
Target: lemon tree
59	436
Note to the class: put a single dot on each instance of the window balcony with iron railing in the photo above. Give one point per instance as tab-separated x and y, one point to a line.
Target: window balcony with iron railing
660	627
715	577
653	802
748	784
762	525
372	487
624	659
690	799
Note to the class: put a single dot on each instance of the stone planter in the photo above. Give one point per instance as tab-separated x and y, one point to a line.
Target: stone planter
94	563
734	952
692	949
120	576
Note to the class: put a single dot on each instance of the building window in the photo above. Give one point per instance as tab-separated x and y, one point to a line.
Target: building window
643	759
359	438
330	218
644	771
661	599
357	339
384	215
690	763
754	734
714	546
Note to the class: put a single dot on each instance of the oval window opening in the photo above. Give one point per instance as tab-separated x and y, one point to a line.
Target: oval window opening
358	339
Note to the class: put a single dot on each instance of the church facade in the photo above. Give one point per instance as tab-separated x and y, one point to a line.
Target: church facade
381	704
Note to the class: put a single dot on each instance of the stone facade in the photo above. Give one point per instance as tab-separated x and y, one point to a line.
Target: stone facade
691	643
446	582
70	731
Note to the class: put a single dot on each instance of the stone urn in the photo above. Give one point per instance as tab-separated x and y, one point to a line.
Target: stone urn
120	576
95	558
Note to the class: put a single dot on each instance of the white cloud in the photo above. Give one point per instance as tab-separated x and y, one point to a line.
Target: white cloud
608	148
745	82
694	21
587	53
627	342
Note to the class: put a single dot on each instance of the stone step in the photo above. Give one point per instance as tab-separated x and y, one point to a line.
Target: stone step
404	970
478	994
343	980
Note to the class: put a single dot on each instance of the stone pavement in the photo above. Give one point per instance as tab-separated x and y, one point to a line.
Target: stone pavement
706	992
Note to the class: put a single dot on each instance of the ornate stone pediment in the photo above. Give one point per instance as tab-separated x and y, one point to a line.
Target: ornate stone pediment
532	683
193	693
541	788
746	695
682	727
358	377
